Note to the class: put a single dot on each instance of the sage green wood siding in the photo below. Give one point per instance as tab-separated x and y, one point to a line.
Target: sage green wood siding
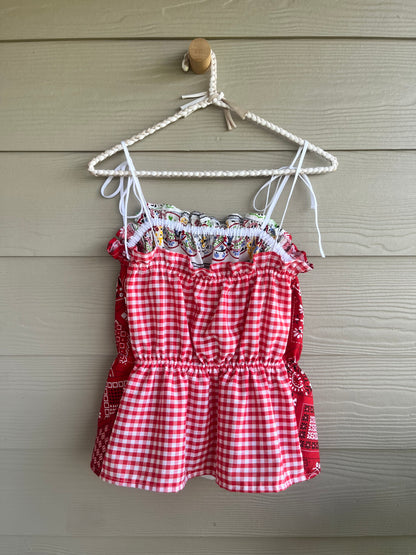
77	77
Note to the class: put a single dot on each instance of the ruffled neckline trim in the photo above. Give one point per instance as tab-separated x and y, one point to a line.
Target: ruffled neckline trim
204	251
195	217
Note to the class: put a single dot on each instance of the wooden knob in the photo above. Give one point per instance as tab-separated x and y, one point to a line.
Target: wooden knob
199	53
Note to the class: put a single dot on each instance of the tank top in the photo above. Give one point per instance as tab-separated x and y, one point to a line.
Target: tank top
208	331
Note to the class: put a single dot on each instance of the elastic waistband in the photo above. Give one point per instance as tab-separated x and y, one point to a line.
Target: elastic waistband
197	363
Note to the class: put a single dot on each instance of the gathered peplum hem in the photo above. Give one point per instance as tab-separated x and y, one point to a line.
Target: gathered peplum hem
207	473
238	425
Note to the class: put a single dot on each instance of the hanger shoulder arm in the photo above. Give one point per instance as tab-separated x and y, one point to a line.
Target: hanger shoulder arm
182	113
298	140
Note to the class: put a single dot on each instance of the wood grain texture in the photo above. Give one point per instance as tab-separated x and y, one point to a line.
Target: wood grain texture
53	206
361	402
64	306
54	492
241	18
172	545
89	95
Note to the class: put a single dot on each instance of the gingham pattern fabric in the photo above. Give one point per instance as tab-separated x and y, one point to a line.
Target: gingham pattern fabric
203	383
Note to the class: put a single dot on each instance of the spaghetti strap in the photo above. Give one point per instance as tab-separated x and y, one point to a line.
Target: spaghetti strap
281	183
132	182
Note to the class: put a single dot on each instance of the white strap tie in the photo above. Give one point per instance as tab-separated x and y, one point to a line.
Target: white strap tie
282	180
124	192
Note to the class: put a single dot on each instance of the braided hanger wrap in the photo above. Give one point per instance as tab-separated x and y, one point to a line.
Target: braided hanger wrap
215	97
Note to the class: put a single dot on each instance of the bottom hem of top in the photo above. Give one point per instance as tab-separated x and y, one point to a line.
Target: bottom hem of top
174	489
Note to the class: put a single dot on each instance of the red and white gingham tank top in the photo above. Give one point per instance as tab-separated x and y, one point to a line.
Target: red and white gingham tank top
206	381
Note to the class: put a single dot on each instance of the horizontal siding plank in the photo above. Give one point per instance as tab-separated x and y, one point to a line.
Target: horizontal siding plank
64	306
172	545
54	492
159	18
361	402
65	216
64	102
88	95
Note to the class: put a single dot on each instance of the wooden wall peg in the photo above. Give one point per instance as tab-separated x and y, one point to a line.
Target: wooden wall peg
199	54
